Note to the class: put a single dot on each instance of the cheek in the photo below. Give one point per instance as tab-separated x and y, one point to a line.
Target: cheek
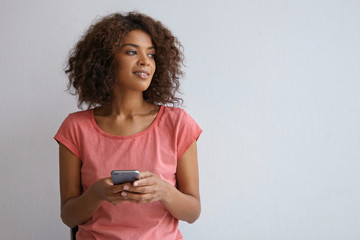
123	68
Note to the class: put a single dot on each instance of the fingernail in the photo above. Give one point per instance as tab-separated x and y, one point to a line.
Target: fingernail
126	187
135	184
123	194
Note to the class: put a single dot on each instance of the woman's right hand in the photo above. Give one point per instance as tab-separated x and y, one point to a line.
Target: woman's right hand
107	191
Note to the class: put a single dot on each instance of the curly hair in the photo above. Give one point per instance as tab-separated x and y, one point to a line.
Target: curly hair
91	64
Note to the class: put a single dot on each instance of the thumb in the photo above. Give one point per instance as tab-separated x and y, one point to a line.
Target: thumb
108	181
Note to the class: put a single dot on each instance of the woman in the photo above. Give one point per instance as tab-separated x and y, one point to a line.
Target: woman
125	69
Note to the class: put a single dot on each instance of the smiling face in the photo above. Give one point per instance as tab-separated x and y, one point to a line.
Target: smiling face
135	63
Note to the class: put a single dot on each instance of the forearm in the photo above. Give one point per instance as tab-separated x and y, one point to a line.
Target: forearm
77	210
182	206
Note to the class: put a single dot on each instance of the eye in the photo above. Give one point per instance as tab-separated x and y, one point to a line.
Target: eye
131	52
151	55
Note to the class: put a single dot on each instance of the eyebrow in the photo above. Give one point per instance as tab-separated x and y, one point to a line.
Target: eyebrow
136	46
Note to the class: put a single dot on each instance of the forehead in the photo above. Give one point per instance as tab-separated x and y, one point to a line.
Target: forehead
138	37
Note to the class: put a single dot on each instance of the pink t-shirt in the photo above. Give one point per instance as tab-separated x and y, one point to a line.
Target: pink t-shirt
155	149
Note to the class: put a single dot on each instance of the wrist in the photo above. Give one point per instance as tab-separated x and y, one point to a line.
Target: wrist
168	193
94	194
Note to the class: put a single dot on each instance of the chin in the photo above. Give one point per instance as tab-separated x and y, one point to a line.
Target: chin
142	88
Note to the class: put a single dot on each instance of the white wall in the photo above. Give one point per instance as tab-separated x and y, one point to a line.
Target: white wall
274	85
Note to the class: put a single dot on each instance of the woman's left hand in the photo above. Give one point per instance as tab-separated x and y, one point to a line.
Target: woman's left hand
148	189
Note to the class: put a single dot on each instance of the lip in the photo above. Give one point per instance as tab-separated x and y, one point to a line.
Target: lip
142	74
142	71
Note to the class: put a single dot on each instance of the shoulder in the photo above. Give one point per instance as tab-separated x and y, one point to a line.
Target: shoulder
79	116
182	127
76	119
177	116
72	129
175	112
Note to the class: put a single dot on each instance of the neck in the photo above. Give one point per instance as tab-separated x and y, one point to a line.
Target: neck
127	104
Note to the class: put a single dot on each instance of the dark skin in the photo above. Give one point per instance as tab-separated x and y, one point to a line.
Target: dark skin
129	114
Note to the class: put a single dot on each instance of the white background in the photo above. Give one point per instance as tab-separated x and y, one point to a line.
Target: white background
275	85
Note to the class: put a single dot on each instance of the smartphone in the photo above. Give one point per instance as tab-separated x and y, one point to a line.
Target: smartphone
124	176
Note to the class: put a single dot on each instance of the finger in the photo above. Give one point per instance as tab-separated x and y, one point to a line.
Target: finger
118	202
145	174
138	197
140	189
108	181
121	187
143	182
140	201
114	198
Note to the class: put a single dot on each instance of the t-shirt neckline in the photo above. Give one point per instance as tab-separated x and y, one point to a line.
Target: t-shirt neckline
98	129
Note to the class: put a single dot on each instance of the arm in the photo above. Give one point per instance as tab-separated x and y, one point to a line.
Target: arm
182	202
76	208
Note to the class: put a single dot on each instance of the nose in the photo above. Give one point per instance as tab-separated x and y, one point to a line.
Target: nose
143	60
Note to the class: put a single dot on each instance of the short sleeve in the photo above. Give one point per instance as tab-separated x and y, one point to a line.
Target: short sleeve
189	131
67	135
